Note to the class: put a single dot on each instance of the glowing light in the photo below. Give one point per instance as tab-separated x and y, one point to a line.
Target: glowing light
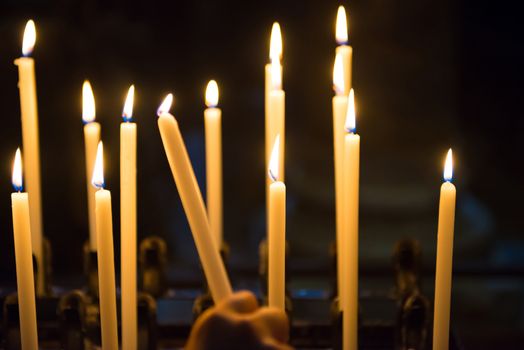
273	160
448	167
275	43
88	103
350	116
212	94
338	75
341	32
166	105
98	170
28	43
276	75
17	171
127	114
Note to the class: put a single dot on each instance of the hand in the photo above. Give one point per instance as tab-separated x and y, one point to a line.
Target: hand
237	323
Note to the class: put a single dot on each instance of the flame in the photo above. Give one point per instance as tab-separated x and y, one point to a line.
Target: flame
350	115
338	75
127	114
273	160
98	170
88	103
276	75
448	167
17	171
166	105
275	43
342	26
212	94
28	43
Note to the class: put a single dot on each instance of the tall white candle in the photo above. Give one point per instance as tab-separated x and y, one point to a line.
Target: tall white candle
192	202
30	138
446	226
24	260
343	48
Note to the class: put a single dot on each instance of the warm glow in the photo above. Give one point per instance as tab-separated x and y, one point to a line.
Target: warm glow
17	171
127	114
276	75
350	115
212	94
88	103
273	160
275	44
338	75
448	167
342	26
28	42
166	105
98	171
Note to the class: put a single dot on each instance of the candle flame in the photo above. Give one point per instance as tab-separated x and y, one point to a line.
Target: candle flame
17	171
28	43
212	94
275	43
448	167
88	103
341	32
166	105
338	75
127	114
276	75
273	170
350	115
98	170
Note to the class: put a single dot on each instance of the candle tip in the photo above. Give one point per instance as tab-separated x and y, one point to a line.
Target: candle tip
448	167
28	43
351	124
17	171
166	105
127	113
275	43
98	170
212	94
273	170
338	75
88	103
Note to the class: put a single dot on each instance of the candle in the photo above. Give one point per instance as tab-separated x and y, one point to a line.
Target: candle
351	166
29	112
339	103
24	260
128	222
91	140
213	129
343	48
446	222
106	260
192	202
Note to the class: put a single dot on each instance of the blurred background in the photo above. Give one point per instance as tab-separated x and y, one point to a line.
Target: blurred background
428	75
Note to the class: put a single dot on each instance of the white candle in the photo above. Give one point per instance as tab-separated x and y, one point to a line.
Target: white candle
192	202
446	223
276	233
128	222
91	140
106	259
343	48
213	130
24	260
30	137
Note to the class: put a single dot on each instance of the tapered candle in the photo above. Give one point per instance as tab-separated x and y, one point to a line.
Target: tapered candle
350	174
346	51
128	222
192	202
30	138
106	259
213	130
24	260
446	223
91	140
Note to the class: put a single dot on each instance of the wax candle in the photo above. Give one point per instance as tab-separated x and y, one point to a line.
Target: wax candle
213	131
343	48
192	202
446	223
106	260
30	137
276	233
350	174
24	260
128	222
91	140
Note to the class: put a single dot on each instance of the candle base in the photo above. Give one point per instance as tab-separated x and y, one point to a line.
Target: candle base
153	266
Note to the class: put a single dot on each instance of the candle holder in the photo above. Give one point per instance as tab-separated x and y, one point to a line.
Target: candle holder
46	268
91	270
11	323
72	315
147	324
153	266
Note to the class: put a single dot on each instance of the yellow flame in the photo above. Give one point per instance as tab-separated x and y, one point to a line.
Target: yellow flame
273	160
98	170
448	167
166	105
351	123
17	171
276	75
275	43
342	26
128	105
88	103
212	94
338	75
28	43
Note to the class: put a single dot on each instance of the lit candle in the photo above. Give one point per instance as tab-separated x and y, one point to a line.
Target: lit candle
29	111
276	233
213	129
128	223
91	140
24	260
339	114
446	223
106	259
343	48
192	202
350	174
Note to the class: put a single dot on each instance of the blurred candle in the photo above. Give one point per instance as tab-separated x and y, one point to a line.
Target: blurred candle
106	259
128	222
275	54
91	140
192	202
30	138
343	48
446	223
24	260
213	130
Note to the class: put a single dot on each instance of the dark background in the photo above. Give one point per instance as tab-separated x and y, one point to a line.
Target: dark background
428	75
